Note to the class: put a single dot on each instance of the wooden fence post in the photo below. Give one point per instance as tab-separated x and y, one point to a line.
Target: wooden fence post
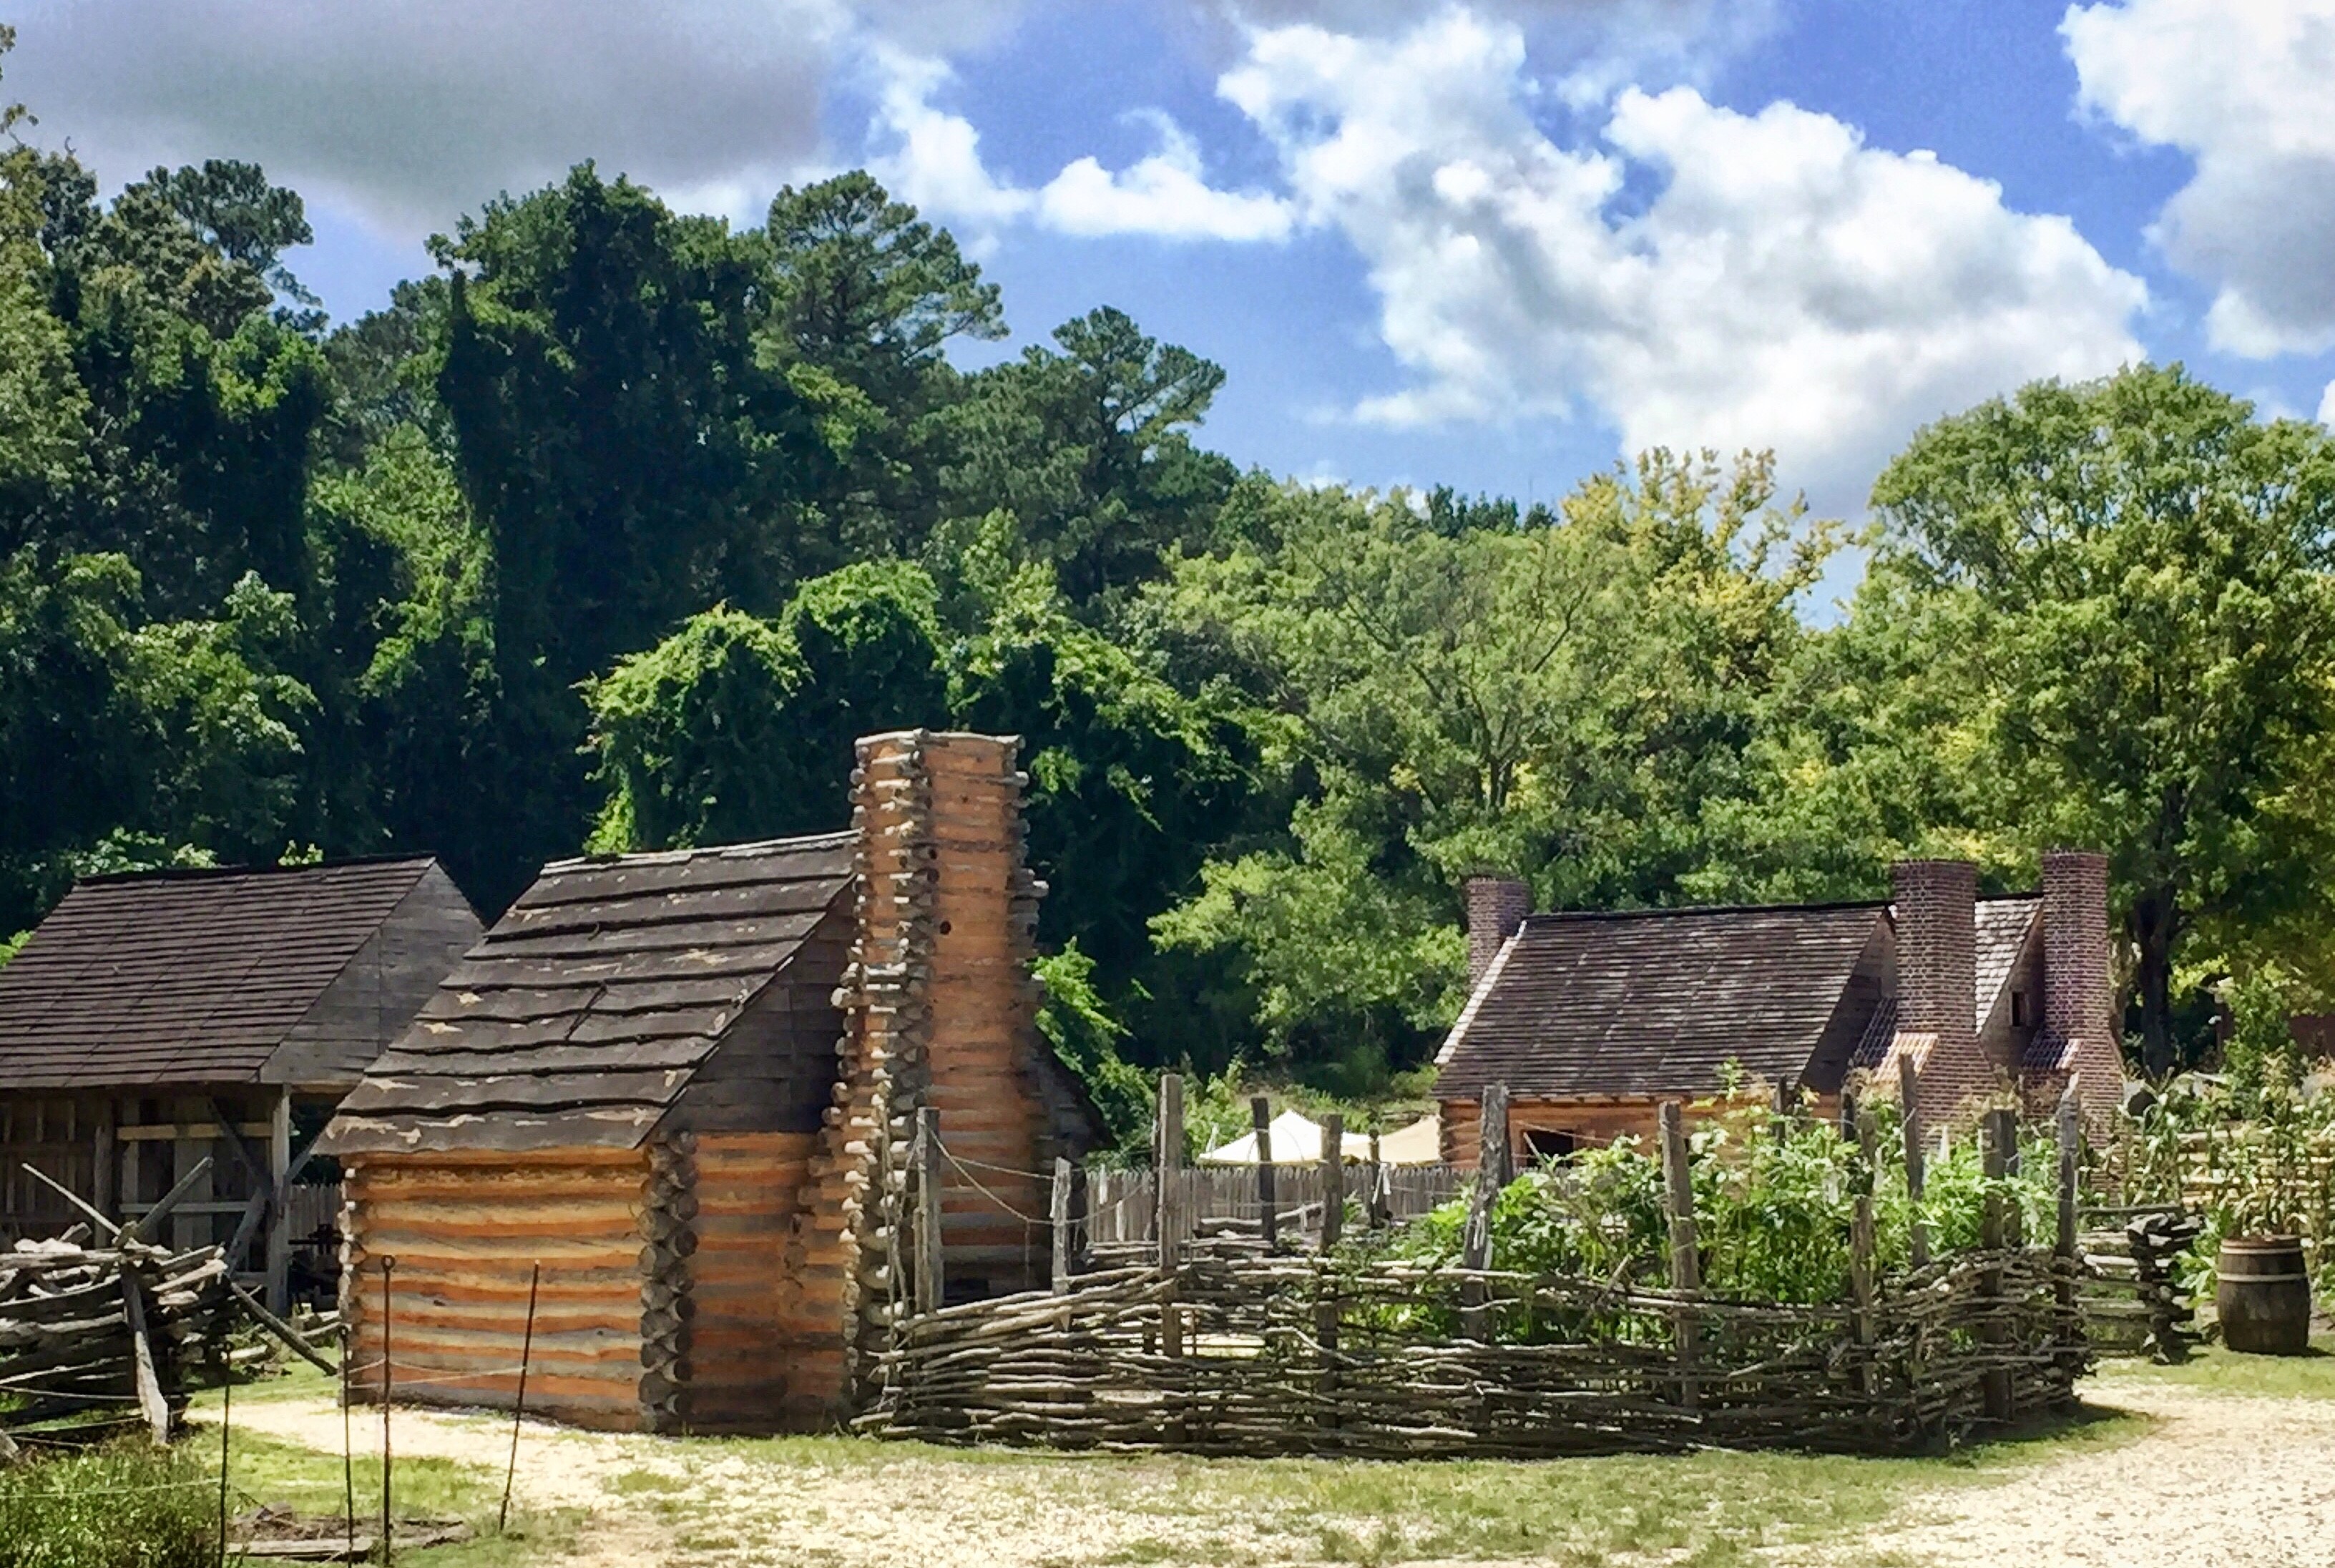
1861	1249
1333	1180
1058	1212
926	1156
2063	1244
1909	1095
1167	1168
1491	1175
1994	1136
1268	1215
1686	1262
1374	1212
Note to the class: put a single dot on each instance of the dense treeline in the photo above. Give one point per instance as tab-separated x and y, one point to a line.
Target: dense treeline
615	530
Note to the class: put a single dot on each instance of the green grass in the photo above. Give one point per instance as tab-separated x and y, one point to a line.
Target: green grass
126	1505
2224	1371
265	1470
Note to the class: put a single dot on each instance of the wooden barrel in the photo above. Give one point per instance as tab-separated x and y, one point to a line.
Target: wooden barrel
2264	1295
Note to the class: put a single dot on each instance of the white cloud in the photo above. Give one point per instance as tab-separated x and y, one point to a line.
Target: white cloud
1781	286
934	161
2248	91
2327	406
1165	195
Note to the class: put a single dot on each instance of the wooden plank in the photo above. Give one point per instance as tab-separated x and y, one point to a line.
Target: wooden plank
611	1128
524	1091
1260	1116
151	1403
1909	1097
826	856
1168	1162
202	1131
1333	1179
926	1159
1058	1211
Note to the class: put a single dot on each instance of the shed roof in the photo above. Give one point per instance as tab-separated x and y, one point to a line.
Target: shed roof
580	1017
1657	1002
185	977
2004	926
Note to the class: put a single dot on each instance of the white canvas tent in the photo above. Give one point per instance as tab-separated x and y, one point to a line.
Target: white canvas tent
1297	1140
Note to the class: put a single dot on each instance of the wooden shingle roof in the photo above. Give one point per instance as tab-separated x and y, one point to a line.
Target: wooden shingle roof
185	977
580	1017
1658	1001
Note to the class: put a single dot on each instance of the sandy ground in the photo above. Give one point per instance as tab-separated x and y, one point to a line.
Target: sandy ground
2218	1481
2215	1480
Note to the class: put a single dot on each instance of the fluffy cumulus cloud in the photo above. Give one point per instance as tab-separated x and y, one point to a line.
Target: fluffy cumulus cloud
409	113
932	157
1695	276
2248	91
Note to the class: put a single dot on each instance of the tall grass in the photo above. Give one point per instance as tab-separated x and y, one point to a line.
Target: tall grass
126	1505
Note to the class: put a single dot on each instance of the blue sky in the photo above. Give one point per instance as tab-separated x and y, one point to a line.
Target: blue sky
1494	246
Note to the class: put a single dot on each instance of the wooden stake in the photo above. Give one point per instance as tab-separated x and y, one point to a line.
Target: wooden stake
151	1403
388	1380
1686	1263
1058	1212
348	1440
284	1331
926	1156
1994	1135
226	1418
1373	1209
1167	1168
1494	1157
1260	1119
1861	1247
1333	1180
2063	1244
1909	1095
519	1405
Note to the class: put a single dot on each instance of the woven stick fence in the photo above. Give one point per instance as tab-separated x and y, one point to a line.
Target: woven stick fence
1240	1345
1235	1353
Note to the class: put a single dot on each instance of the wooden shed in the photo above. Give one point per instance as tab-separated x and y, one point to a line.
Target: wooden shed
158	1019
679	1085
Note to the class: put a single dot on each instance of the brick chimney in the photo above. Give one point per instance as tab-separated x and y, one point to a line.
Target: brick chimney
1497	907
1937	977
2079	1029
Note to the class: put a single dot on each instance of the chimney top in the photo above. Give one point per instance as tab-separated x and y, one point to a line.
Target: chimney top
1497	907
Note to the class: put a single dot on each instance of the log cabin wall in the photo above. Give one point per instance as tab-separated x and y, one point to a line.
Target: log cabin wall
463	1231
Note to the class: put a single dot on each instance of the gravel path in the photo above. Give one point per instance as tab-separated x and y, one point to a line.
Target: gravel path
2217	1481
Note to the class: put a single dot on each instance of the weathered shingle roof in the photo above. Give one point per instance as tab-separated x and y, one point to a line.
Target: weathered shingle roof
578	1019
2003	925
1658	1001
185	977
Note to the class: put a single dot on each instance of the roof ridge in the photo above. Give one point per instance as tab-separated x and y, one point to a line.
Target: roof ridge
1555	916
201	873
834	837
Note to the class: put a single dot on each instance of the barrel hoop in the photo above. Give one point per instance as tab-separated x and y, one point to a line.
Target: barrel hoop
2263	1279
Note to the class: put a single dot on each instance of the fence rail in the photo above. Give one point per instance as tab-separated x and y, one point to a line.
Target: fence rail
1123	1205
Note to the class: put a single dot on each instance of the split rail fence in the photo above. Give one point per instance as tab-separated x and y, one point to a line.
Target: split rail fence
1229	1344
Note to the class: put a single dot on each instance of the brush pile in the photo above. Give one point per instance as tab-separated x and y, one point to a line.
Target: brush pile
114	1332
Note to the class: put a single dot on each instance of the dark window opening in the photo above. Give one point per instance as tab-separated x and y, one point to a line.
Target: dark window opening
1549	1144
2018	1018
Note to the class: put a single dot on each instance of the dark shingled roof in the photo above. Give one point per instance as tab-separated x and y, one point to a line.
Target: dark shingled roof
2003	925
1658	1001
578	1019
185	977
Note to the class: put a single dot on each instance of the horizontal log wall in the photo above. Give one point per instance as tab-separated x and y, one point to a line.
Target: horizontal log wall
748	1337
463	1232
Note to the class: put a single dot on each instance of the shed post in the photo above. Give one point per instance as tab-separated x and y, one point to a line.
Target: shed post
1333	1179
1861	1246
190	1230
279	1203
1268	1216
1374	1209
103	1193
926	1156
1908	1095
1686	1262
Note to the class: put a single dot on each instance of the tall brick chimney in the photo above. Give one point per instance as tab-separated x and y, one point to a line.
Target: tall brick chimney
2079	1029
2076	1000
1497	907
1937	977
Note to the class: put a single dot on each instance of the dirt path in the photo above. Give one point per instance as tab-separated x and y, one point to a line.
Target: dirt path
2218	1481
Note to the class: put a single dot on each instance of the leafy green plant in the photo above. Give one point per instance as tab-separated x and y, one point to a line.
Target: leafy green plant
126	1505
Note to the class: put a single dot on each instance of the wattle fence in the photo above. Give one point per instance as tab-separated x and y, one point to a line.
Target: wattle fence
1232	1352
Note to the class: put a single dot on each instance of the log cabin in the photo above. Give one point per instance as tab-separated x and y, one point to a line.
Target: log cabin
667	1099
156	1020
1592	1019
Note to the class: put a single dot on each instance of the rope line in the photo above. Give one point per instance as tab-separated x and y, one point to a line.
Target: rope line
975	1183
